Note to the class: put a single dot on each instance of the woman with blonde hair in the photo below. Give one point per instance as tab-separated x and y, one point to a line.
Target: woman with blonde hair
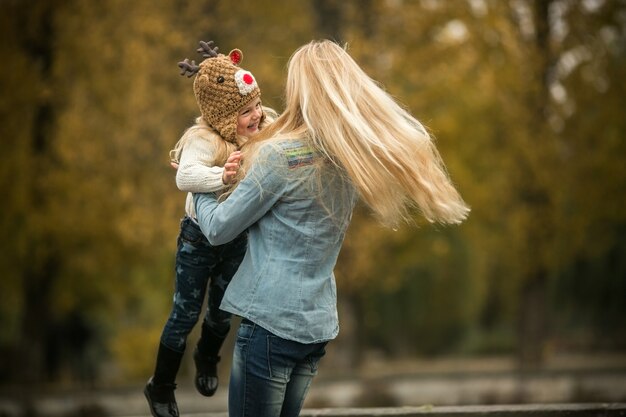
341	137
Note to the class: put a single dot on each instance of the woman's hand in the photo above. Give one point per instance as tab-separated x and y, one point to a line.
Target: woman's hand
231	167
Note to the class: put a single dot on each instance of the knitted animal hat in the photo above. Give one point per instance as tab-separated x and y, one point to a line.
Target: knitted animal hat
221	88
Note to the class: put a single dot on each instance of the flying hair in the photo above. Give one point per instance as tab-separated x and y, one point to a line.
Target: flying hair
386	152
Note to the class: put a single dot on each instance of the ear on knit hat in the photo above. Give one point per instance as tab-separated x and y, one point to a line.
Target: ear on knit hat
221	88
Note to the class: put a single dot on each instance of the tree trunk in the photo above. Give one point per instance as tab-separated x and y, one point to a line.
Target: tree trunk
533	311
39	262
533	322
330	18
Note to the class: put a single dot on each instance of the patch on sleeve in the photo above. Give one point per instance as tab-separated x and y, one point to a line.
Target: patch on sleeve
299	155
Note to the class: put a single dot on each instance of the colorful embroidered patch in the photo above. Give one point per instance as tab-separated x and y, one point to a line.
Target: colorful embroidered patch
299	155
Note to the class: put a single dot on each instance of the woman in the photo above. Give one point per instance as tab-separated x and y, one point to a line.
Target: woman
341	137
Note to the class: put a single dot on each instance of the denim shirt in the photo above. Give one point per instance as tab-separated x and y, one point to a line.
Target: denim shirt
296	205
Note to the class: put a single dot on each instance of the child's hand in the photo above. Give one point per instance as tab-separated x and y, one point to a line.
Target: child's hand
231	167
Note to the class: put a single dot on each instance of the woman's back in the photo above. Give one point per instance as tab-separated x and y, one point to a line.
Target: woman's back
297	205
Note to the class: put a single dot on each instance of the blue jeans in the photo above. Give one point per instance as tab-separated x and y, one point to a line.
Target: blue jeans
198	266
270	376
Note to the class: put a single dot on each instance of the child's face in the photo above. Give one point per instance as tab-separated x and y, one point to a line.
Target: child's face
249	118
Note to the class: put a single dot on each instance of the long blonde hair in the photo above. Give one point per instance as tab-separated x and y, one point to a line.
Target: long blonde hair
387	153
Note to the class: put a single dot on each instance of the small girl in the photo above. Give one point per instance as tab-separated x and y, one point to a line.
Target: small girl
230	104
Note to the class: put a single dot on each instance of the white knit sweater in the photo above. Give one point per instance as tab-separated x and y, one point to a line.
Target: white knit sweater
195	173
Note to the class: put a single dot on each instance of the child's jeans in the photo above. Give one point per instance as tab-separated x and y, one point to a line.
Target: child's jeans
270	376
198	265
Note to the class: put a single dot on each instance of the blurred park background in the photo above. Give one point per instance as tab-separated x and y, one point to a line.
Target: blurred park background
526	99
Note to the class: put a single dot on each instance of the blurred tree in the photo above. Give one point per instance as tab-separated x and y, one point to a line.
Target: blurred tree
405	282
329	18
32	261
547	35
91	185
125	106
591	289
533	195
576	75
498	82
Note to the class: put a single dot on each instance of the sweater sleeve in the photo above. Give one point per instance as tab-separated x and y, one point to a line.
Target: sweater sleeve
195	174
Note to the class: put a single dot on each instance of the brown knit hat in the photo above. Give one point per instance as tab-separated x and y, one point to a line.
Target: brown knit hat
221	88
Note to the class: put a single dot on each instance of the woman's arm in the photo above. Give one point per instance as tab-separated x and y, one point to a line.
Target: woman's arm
252	199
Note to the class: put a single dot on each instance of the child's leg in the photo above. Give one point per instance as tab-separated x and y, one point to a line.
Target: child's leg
195	259
195	263
216	323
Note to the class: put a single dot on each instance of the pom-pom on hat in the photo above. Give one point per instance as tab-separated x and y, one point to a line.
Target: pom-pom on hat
221	88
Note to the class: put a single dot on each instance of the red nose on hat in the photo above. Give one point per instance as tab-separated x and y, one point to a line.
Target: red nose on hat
247	78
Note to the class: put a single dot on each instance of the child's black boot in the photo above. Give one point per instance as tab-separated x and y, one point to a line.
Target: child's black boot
161	399
206	357
159	390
